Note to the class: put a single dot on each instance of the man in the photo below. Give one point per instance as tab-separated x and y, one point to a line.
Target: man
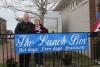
24	28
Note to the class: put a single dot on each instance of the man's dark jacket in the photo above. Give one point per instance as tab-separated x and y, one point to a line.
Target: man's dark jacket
23	28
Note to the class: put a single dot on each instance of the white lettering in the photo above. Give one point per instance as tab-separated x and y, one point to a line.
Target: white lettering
55	42
24	42
75	40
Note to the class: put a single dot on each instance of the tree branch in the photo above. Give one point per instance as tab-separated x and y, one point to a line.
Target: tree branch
45	2
52	6
36	2
24	4
22	10
43	6
52	2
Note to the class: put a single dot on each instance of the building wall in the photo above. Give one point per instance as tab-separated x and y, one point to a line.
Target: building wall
77	19
2	25
92	4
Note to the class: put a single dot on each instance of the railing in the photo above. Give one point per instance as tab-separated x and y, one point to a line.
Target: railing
86	58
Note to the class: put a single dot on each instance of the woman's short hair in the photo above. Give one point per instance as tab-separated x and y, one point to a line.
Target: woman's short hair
37	20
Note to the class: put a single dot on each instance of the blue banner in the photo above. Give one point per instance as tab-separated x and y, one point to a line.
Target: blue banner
38	43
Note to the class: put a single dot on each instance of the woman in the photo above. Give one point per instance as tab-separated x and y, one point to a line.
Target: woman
38	28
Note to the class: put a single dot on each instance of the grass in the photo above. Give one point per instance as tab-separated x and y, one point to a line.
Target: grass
82	60
1	65
77	59
93	66
0	42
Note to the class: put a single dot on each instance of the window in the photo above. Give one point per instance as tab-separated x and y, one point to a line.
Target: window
76	3
82	1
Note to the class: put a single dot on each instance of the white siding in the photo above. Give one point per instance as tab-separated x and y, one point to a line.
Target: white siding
77	20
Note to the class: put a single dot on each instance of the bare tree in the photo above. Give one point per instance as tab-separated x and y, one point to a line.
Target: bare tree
36	7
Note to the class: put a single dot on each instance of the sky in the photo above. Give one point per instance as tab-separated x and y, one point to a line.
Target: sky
9	16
